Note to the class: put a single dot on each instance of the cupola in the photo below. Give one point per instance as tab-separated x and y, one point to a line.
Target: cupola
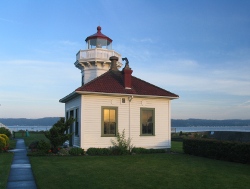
98	40
95	59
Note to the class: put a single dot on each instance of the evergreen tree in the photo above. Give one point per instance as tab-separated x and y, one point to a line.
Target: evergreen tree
57	134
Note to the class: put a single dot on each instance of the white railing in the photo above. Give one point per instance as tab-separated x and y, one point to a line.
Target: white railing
97	53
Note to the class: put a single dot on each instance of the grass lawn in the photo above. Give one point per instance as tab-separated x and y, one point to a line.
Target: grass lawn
176	146
139	171
5	163
33	136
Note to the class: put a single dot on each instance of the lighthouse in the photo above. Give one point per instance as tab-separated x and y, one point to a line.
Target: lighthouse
95	60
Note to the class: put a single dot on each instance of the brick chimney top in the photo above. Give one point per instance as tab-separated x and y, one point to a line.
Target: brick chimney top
127	75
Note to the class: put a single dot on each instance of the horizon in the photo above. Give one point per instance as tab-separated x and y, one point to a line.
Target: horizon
171	118
199	50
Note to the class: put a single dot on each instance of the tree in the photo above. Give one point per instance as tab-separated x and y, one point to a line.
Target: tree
58	135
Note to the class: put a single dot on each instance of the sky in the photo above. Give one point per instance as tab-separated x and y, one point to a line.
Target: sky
197	49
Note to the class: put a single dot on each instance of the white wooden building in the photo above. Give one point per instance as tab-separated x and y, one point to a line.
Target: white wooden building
112	100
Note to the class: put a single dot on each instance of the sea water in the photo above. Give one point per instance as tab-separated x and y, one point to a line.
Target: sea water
211	128
29	128
174	129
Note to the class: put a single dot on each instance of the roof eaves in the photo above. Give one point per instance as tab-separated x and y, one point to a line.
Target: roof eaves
68	97
124	94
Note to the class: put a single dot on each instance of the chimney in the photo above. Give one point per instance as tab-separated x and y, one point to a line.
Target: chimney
113	60
127	75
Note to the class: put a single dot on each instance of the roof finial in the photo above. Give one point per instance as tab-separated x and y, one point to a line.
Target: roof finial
99	29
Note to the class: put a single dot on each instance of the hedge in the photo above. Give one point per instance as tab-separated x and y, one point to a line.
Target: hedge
116	151
215	149
147	151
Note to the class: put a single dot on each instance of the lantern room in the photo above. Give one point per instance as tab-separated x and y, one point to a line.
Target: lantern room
94	60
98	40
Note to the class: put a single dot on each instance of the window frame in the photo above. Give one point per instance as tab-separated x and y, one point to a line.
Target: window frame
102	120
153	121
76	129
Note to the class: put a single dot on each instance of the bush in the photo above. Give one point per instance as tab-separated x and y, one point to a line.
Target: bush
43	146
122	145
6	138
64	152
147	151
33	145
57	135
76	151
2	144
116	150
5	131
215	149
99	151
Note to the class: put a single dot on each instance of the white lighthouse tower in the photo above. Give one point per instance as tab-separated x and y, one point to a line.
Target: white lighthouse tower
94	61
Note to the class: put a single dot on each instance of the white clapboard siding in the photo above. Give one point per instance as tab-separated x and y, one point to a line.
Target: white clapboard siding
91	121
72	105
162	127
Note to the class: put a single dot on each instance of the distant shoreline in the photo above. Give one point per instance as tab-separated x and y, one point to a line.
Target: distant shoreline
211	128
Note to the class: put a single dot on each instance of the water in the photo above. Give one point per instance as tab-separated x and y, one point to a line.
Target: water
211	128
29	128
174	129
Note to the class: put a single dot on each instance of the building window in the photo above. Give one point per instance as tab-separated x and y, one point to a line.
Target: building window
76	123
147	121
109	121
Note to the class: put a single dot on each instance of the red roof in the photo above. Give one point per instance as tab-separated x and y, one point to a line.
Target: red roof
98	35
113	82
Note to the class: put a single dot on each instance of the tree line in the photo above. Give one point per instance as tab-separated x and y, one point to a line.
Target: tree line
207	122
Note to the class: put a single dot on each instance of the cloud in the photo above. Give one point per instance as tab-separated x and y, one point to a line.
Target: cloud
246	103
191	75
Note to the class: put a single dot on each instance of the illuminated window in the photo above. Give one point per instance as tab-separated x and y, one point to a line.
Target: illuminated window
147	121
109	121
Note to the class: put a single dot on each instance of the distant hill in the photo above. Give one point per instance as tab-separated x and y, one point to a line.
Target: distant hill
47	121
206	122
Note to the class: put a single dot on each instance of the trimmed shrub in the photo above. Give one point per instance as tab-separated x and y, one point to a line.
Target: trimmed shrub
117	150
99	151
215	149
147	151
76	151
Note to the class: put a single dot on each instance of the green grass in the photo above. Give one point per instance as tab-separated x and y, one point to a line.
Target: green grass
139	171
5	163
176	146
33	136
